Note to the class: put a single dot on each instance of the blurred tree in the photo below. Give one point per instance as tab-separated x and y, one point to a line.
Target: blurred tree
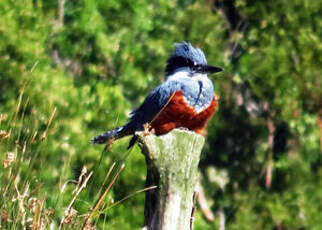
97	60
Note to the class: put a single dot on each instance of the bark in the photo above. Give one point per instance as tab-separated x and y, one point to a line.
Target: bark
172	165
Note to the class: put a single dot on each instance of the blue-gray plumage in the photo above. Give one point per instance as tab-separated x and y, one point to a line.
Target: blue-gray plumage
186	99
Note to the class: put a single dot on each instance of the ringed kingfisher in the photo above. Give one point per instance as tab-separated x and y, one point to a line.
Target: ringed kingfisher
185	100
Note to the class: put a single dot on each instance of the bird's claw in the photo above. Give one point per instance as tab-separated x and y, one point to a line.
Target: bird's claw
148	130
183	128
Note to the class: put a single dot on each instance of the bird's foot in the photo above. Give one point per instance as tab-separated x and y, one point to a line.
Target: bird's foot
183	128
147	129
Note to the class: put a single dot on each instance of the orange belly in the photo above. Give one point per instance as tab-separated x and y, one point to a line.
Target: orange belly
178	114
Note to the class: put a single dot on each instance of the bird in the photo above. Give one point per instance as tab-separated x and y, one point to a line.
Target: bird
185	100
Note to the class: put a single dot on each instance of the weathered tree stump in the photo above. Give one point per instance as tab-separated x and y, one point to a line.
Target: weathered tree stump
172	165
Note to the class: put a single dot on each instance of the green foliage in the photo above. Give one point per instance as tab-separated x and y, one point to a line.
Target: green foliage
90	71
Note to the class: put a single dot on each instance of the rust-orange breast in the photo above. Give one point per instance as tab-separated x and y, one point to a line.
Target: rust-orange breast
178	114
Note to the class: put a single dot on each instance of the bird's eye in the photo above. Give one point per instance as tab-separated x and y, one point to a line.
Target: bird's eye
197	68
189	62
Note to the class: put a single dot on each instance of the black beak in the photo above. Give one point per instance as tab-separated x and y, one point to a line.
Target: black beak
212	69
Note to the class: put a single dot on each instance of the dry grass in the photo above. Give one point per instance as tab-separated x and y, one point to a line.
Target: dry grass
23	203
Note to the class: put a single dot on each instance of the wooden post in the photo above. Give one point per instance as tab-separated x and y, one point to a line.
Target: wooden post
172	164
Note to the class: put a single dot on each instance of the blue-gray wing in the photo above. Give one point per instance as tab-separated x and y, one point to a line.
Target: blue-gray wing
153	104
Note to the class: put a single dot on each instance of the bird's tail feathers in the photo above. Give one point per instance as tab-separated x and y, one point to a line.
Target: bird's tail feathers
111	135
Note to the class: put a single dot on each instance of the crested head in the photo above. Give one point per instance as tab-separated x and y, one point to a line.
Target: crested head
185	55
186	50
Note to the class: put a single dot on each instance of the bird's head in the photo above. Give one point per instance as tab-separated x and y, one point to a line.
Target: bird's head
186	57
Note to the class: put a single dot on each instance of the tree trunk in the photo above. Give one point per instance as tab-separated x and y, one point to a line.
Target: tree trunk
172	165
